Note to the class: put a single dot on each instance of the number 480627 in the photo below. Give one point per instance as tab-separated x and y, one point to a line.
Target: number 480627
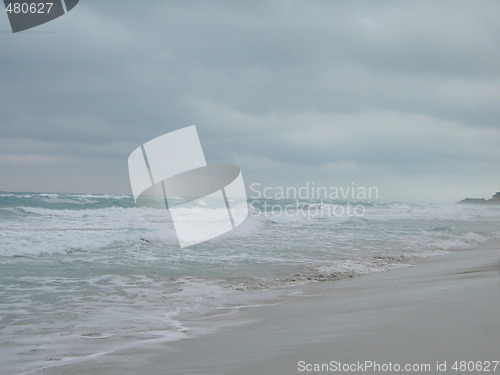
32	8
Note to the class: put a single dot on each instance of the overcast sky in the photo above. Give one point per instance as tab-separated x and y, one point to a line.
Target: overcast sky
400	95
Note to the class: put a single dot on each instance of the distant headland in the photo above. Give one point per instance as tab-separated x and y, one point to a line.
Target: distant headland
495	199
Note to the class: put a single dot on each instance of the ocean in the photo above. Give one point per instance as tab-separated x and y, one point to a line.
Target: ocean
87	274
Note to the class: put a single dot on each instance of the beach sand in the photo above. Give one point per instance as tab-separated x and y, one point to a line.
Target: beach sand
446	308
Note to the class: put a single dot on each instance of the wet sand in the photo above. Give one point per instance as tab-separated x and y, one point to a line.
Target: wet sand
446	308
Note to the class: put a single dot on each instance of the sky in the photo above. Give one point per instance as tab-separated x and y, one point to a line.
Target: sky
404	96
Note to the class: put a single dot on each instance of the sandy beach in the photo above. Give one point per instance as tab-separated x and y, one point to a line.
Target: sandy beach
250	187
444	309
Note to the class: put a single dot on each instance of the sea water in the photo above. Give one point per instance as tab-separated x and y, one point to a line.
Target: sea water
85	274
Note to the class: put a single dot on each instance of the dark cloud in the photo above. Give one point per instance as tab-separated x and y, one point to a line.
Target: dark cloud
389	89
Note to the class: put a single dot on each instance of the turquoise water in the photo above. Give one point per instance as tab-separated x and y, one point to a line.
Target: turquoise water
84	274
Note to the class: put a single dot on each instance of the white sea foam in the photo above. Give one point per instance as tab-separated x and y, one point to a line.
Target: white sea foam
85	274
49	231
10	195
450	212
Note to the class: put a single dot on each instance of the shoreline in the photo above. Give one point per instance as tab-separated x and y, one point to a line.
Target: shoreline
445	308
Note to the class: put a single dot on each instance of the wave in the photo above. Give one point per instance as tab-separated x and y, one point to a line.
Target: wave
96	270
65	201
333	270
40	231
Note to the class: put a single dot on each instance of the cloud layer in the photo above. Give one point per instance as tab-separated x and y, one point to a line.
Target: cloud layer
405	96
